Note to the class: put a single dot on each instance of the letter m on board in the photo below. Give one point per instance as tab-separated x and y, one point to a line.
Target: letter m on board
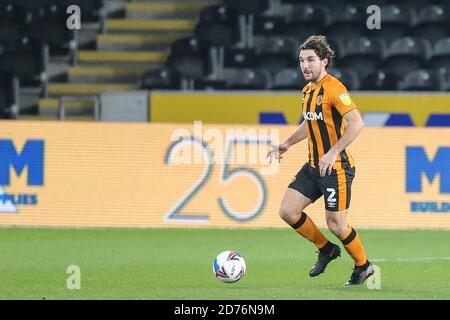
31	156
418	163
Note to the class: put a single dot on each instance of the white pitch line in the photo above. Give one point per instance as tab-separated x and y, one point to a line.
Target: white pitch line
420	259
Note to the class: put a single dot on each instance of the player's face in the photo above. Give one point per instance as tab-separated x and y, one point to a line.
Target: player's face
311	65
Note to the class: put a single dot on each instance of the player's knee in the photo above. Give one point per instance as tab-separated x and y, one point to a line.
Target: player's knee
335	228
287	214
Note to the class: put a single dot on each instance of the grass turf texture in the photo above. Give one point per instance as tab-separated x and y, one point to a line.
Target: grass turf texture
177	264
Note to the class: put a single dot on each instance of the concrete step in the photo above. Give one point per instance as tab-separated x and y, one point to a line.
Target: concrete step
75	89
55	118
122	42
50	107
105	74
123	57
150	25
166	9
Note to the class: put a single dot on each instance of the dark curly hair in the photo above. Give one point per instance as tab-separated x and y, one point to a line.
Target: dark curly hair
321	47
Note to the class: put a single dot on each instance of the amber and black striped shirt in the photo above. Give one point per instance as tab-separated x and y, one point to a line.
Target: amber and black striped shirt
323	108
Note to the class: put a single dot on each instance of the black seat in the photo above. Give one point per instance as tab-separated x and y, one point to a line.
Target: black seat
362	55
347	22
396	20
418	3
348	77
266	25
188	57
367	3
328	3
422	80
432	23
9	86
218	26
239	58
246	7
27	61
50	27
14	21
380	80
440	57
249	79
289	79
278	53
406	54
306	20
338	46
160	78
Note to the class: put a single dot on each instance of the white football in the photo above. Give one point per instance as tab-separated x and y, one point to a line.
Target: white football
229	266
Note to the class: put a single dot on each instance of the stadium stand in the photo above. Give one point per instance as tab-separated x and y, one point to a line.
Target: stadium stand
206	44
9	96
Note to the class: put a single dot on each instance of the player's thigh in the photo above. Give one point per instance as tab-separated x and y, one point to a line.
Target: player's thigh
300	193
294	202
337	189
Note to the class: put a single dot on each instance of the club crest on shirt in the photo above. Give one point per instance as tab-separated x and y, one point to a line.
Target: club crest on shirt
345	99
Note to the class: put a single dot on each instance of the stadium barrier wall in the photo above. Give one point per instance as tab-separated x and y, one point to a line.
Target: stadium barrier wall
379	109
133	175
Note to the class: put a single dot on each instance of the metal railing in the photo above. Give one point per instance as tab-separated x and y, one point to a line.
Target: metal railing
63	99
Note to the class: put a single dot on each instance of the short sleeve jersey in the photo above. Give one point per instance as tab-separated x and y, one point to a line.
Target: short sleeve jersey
323	108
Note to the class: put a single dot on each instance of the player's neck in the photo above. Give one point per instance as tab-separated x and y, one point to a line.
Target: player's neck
319	78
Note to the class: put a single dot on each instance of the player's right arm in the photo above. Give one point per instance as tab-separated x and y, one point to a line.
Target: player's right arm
278	150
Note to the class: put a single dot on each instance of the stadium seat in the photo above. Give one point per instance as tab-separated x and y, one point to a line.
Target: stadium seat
266	25
347	22
289	79
218	26
248	7
218	29
208	84
239	58
338	46
14	21
422	80
432	23
50	28
249	79
306	20
417	3
440	57
347	76
28	61
9	92
367	3
277	53
328	3
406	54
160	78
362	55
380	80
188	57
396	20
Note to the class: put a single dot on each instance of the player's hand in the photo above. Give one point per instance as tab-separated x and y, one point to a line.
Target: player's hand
326	162
277	152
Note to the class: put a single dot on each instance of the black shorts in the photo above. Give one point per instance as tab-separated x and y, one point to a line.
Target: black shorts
336	187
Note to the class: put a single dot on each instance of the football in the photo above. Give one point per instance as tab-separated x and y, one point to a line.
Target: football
229	266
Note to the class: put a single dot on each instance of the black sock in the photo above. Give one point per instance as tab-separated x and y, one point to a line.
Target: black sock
326	248
364	266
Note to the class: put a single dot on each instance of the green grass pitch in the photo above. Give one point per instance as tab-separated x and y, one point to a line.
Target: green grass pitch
177	264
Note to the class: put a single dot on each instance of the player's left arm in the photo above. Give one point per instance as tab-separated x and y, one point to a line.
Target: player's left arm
354	125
